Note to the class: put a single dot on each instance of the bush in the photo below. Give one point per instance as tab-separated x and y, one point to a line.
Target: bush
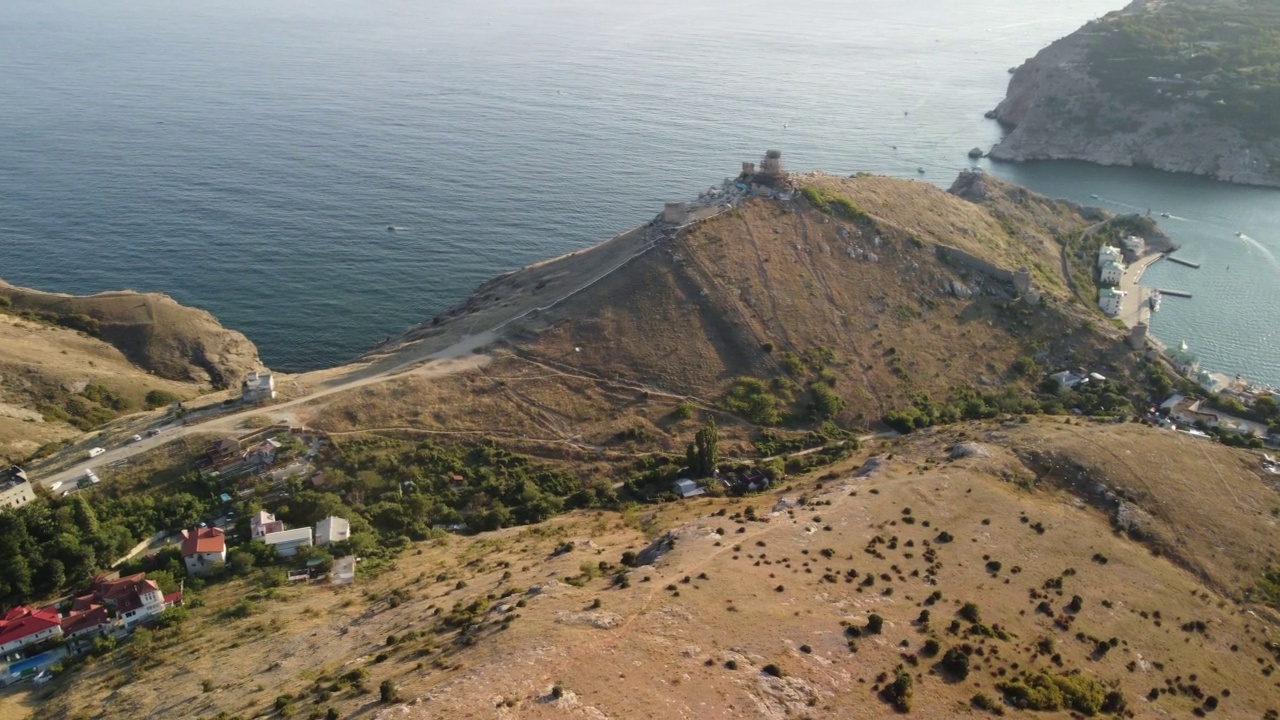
956	663
161	398
1046	692
874	624
969	611
898	692
387	692
772	669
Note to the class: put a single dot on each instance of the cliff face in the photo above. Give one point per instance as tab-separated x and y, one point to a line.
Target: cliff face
1058	108
153	331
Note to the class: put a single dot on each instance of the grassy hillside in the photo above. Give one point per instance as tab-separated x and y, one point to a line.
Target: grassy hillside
56	382
797	298
70	364
945	582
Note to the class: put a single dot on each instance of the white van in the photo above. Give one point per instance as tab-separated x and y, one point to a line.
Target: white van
95	452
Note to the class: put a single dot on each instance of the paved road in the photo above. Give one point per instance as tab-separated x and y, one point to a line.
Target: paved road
451	359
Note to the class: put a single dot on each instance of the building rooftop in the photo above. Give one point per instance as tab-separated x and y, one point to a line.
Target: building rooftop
23	621
1111	292
203	540
286	536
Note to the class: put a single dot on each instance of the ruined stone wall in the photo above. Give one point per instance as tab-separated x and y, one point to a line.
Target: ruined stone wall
956	256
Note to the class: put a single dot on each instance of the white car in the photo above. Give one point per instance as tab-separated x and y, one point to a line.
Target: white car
95	452
56	485
135	438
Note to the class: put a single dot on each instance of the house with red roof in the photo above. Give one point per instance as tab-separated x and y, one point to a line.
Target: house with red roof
23	626
202	548
115	604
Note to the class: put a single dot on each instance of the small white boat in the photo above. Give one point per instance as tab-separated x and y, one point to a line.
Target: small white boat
1164	215
1239	234
1095	197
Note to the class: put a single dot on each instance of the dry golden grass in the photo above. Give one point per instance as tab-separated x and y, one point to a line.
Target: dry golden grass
41	364
773	591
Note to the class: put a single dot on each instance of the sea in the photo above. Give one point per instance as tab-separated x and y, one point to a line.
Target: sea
323	174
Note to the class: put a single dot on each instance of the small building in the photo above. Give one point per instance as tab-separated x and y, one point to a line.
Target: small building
1109	253
688	488
202	548
287	542
23	626
1111	300
1067	380
224	448
331	530
258	387
1185	360
15	490
1111	273
263	524
92	620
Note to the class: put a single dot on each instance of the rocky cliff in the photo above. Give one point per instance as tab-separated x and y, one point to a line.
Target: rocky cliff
1111	95
153	331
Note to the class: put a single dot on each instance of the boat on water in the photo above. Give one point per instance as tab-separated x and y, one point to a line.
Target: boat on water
1153	301
920	170
1165	215
391	228
1095	197
1239	234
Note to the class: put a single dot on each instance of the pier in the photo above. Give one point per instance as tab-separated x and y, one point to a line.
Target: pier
1180	261
1175	293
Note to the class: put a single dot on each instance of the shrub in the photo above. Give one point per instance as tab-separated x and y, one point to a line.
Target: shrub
772	669
1046	692
874	624
898	692
387	691
969	611
161	398
683	411
956	663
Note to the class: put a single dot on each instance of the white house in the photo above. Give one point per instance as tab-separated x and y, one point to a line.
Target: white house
1109	253
15	491
688	488
1111	273
203	547
331	530
287	542
263	524
258	387
1110	300
1067	379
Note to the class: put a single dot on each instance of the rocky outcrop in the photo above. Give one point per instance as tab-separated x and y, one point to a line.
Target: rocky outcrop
1056	109
153	331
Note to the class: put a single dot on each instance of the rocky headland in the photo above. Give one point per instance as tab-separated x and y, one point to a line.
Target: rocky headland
1179	86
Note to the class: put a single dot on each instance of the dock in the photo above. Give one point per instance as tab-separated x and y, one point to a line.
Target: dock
1175	293
1180	261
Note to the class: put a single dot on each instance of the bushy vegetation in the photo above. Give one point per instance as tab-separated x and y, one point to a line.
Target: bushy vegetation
1221	58
1046	691
833	204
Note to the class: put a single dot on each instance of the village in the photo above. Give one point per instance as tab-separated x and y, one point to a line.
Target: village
34	640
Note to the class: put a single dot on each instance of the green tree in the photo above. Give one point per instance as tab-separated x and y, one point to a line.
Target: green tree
704	454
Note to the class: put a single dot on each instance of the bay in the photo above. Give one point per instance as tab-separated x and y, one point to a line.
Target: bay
248	156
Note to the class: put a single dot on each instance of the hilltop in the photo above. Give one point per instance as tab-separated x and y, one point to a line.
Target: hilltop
69	364
976	562
850	299
1179	85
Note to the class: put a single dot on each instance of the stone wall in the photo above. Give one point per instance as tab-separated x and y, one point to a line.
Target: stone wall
956	256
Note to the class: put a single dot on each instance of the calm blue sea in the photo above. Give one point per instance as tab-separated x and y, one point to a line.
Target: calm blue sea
247	156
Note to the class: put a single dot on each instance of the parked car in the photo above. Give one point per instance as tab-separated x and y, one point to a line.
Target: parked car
153	432
42	677
135	438
95	452
56	485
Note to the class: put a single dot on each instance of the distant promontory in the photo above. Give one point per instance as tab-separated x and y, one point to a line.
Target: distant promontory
1178	85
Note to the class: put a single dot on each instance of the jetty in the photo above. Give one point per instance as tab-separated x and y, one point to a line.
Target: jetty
1180	261
1175	293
